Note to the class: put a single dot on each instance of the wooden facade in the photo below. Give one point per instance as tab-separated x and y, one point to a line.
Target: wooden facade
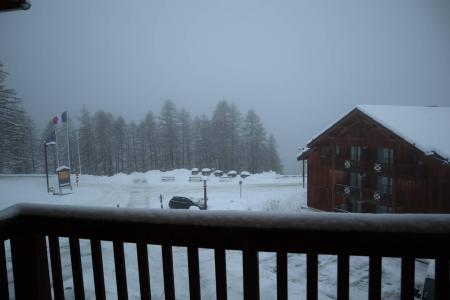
358	165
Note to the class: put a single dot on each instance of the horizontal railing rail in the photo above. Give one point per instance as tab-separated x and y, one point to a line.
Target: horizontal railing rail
344	235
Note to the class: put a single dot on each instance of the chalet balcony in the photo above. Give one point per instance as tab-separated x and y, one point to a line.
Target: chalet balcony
348	191
28	227
364	194
363	166
376	197
349	165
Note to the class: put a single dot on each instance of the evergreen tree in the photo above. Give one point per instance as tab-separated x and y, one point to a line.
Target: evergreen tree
254	136
272	158
103	136
17	136
169	135
89	163
185	148
150	142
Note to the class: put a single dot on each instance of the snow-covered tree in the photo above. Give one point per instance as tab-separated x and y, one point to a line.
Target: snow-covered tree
17	135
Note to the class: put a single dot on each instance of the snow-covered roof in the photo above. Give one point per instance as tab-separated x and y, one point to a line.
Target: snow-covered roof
194	169
302	151
206	170
62	168
427	128
232	172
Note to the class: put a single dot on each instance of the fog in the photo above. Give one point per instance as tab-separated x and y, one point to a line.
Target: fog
299	64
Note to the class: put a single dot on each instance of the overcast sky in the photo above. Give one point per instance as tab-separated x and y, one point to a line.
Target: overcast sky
299	64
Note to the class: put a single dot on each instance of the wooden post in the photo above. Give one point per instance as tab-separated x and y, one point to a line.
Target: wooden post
30	267
394	175
303	172
333	180
46	166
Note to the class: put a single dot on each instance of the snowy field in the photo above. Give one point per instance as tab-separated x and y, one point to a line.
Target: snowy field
260	192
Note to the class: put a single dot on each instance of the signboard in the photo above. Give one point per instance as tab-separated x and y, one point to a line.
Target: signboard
64	177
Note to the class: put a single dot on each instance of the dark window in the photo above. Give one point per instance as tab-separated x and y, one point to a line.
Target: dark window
355	152
338	151
384	184
385	155
355	180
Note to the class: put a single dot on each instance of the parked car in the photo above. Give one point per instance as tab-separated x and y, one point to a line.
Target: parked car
206	171
218	173
194	171
232	173
245	174
178	202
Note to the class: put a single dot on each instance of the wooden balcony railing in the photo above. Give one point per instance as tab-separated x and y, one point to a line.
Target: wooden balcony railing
344	235
376	196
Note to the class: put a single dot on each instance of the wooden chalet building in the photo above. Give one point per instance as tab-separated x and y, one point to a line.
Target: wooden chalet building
382	159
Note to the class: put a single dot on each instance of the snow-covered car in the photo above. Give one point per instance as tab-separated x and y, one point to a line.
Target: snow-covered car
178	202
218	173
206	171
232	173
194	171
245	174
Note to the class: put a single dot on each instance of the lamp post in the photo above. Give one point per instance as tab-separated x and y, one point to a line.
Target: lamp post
205	197
240	188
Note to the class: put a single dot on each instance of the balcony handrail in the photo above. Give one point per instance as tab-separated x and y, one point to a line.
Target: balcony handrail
416	234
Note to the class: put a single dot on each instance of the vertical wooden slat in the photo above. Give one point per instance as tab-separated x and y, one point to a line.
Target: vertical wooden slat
311	275
343	277
77	270
251	274
375	277
121	275
282	274
55	261
30	268
144	276
169	286
194	273
221	274
97	268
4	291
442	278
407	278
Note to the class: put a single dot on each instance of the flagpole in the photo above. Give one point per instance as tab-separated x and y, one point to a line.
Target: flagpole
67	131
78	146
56	146
46	167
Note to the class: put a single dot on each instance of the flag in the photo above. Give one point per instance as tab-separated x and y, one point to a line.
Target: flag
51	139
64	117
55	120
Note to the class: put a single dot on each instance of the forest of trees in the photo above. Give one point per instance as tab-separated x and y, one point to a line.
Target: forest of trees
108	144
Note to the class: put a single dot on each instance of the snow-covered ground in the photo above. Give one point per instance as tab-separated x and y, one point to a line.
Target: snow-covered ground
260	192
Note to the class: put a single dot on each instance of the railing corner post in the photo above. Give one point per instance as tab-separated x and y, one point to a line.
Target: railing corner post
30	267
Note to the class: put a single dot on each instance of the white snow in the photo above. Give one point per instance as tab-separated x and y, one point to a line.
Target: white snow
425	127
260	192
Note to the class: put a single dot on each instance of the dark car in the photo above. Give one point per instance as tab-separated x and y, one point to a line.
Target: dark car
178	202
